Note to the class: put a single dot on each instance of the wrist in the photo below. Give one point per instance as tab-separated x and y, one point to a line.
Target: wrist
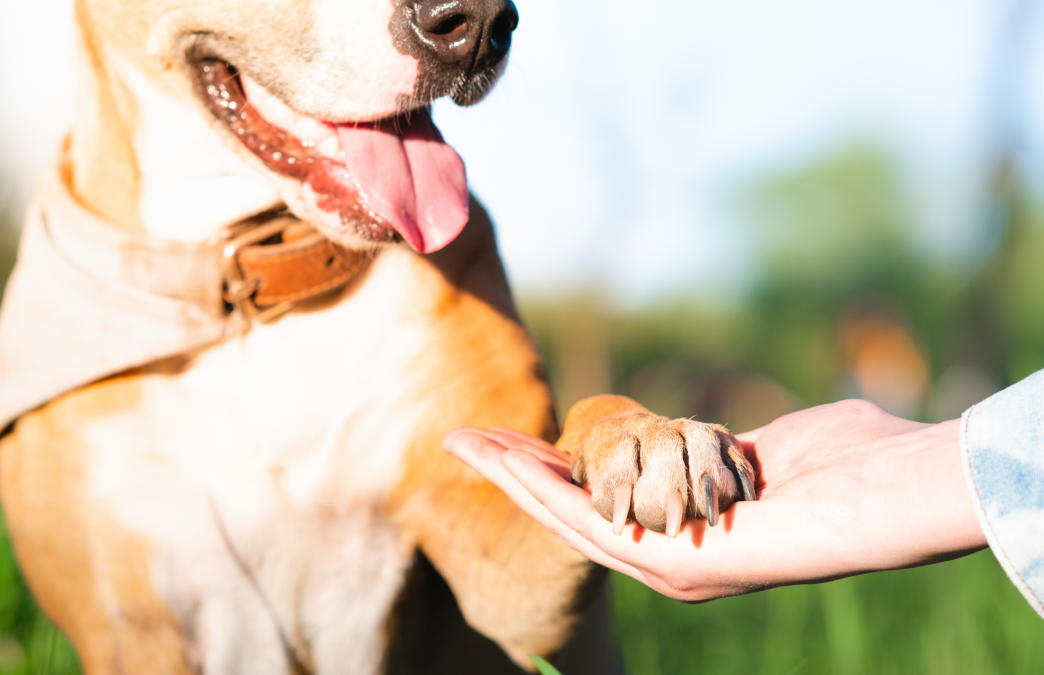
942	521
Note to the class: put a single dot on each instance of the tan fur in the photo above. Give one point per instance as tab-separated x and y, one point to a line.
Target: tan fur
102	170
588	413
123	585
615	441
87	573
513	581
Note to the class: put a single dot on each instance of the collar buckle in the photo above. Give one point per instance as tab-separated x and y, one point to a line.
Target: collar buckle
240	289
274	265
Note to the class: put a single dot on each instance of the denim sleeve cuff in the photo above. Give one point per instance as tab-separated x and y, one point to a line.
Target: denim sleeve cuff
1002	445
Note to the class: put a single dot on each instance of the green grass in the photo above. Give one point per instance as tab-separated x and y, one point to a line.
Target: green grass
29	643
958	617
543	666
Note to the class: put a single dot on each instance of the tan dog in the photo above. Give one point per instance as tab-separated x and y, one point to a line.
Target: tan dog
272	497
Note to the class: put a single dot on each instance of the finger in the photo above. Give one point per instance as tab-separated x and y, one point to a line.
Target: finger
526	438
589	550
510	439
448	438
573	508
750	437
654	558
567	502
504	436
484	455
517	439
479	452
566	534
547	450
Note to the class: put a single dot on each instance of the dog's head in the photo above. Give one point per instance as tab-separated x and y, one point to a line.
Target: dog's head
329	99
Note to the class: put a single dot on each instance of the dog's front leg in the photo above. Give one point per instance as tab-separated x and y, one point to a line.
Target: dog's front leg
90	575
513	581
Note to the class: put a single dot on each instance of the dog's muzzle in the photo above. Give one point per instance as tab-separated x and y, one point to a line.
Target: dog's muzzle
460	44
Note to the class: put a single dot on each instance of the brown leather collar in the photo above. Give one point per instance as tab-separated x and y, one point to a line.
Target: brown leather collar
276	261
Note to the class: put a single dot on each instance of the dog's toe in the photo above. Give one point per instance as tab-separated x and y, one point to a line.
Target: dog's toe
659	472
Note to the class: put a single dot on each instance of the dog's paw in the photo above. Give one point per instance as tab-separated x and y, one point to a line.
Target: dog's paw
659	471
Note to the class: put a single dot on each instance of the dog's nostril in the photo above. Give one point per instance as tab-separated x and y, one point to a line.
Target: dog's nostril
500	35
453	24
475	34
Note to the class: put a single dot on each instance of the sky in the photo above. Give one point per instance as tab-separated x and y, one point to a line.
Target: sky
613	146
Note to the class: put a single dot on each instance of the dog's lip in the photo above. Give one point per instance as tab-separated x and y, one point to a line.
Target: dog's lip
312	131
219	88
399	181
243	77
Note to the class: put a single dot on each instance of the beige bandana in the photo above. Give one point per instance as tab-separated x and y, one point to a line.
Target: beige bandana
88	300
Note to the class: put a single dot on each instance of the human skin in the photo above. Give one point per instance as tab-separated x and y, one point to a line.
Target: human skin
843	489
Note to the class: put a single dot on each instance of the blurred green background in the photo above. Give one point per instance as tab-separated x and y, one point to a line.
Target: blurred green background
842	294
843	304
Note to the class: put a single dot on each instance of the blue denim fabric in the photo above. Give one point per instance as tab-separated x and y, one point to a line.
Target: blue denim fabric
1002	443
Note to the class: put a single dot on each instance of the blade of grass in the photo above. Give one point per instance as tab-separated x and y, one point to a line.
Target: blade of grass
543	666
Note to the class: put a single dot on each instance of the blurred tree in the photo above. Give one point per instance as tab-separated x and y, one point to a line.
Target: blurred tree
841	221
1015	278
832	238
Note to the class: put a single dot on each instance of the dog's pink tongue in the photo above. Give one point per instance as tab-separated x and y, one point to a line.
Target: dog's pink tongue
409	177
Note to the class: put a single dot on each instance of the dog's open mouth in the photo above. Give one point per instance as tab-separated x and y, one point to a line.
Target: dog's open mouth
387	179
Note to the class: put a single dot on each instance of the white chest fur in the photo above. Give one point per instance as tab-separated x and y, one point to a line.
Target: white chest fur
258	475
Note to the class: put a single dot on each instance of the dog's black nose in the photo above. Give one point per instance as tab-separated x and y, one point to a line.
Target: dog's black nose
470	34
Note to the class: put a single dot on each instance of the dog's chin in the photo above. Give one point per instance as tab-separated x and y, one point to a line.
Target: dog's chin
467	91
362	182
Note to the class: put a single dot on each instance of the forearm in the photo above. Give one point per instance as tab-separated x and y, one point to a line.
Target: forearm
933	515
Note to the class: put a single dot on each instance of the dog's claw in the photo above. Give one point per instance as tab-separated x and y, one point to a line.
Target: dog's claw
578	474
621	507
748	488
675	514
709	493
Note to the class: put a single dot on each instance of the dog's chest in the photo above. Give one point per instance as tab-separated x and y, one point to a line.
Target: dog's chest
259	476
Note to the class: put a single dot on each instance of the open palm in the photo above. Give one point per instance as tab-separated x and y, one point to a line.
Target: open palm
842	489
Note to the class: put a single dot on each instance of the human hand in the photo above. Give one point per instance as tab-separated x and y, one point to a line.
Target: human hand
843	489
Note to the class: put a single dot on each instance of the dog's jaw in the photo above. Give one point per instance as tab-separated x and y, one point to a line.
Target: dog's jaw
303	158
180	173
363	184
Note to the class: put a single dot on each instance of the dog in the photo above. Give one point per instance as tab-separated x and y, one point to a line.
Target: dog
251	298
